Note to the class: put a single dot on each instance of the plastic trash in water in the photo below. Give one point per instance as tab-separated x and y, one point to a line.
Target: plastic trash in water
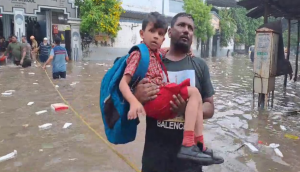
9	156
30	103
59	106
56	86
31	73
48	65
6	94
290	136
278	152
67	125
10	91
41	112
283	128
252	148
35	83
45	126
274	145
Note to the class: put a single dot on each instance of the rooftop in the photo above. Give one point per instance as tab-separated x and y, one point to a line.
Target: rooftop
278	8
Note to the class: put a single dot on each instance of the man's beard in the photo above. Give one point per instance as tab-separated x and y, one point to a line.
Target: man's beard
179	46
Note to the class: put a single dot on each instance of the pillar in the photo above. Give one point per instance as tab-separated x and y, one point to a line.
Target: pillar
49	26
19	21
210	48
76	42
6	20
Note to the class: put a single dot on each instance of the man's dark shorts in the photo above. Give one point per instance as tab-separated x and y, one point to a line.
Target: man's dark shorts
26	63
57	75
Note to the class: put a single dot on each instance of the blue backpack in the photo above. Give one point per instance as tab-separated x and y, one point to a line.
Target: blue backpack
114	108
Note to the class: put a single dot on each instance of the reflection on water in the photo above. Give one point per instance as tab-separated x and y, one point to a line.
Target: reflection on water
233	124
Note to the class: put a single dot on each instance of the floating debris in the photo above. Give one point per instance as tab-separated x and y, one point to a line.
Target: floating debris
282	128
278	152
290	136
30	103
67	125
59	106
25	125
41	112
100	64
252	148
45	126
9	156
6	94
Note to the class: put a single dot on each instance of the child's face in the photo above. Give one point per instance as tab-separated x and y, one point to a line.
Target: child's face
153	37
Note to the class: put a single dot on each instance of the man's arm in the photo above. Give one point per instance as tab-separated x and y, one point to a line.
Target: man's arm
207	91
23	52
208	107
67	57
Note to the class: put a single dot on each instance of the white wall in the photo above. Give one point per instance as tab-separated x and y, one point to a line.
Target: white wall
129	35
143	5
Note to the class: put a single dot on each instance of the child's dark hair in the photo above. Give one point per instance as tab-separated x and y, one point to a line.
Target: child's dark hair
158	20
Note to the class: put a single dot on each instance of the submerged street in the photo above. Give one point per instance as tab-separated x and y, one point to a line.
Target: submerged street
79	148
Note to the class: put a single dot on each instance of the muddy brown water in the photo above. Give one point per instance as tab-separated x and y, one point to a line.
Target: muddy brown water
77	148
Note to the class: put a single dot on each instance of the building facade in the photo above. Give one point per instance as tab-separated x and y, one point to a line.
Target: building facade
42	18
131	23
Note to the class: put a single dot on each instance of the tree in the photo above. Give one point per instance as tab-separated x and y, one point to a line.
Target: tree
100	16
293	38
202	18
227	25
246	27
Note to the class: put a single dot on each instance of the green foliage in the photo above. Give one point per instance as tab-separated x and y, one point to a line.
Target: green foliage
293	38
201	14
245	26
228	27
100	16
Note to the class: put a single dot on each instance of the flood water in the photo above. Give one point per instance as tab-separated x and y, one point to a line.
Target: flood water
78	148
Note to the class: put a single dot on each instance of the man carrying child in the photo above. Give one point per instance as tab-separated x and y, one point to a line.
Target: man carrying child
165	152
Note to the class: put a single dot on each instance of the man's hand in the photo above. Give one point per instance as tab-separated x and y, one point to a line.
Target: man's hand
178	105
145	91
21	62
44	67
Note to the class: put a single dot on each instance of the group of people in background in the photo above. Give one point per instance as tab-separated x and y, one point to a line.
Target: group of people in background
23	53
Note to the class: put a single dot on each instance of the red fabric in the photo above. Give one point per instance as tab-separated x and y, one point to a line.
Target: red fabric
160	107
154	74
188	138
201	140
2	59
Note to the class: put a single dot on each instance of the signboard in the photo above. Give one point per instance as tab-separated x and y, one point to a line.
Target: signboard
33	6
263	54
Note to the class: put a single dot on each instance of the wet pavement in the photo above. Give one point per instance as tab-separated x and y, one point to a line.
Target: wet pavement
77	148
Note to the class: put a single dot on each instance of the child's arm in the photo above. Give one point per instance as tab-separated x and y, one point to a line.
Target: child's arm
136	107
125	89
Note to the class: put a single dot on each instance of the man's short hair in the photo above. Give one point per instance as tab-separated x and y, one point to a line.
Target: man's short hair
174	19
158	20
57	40
14	36
23	36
